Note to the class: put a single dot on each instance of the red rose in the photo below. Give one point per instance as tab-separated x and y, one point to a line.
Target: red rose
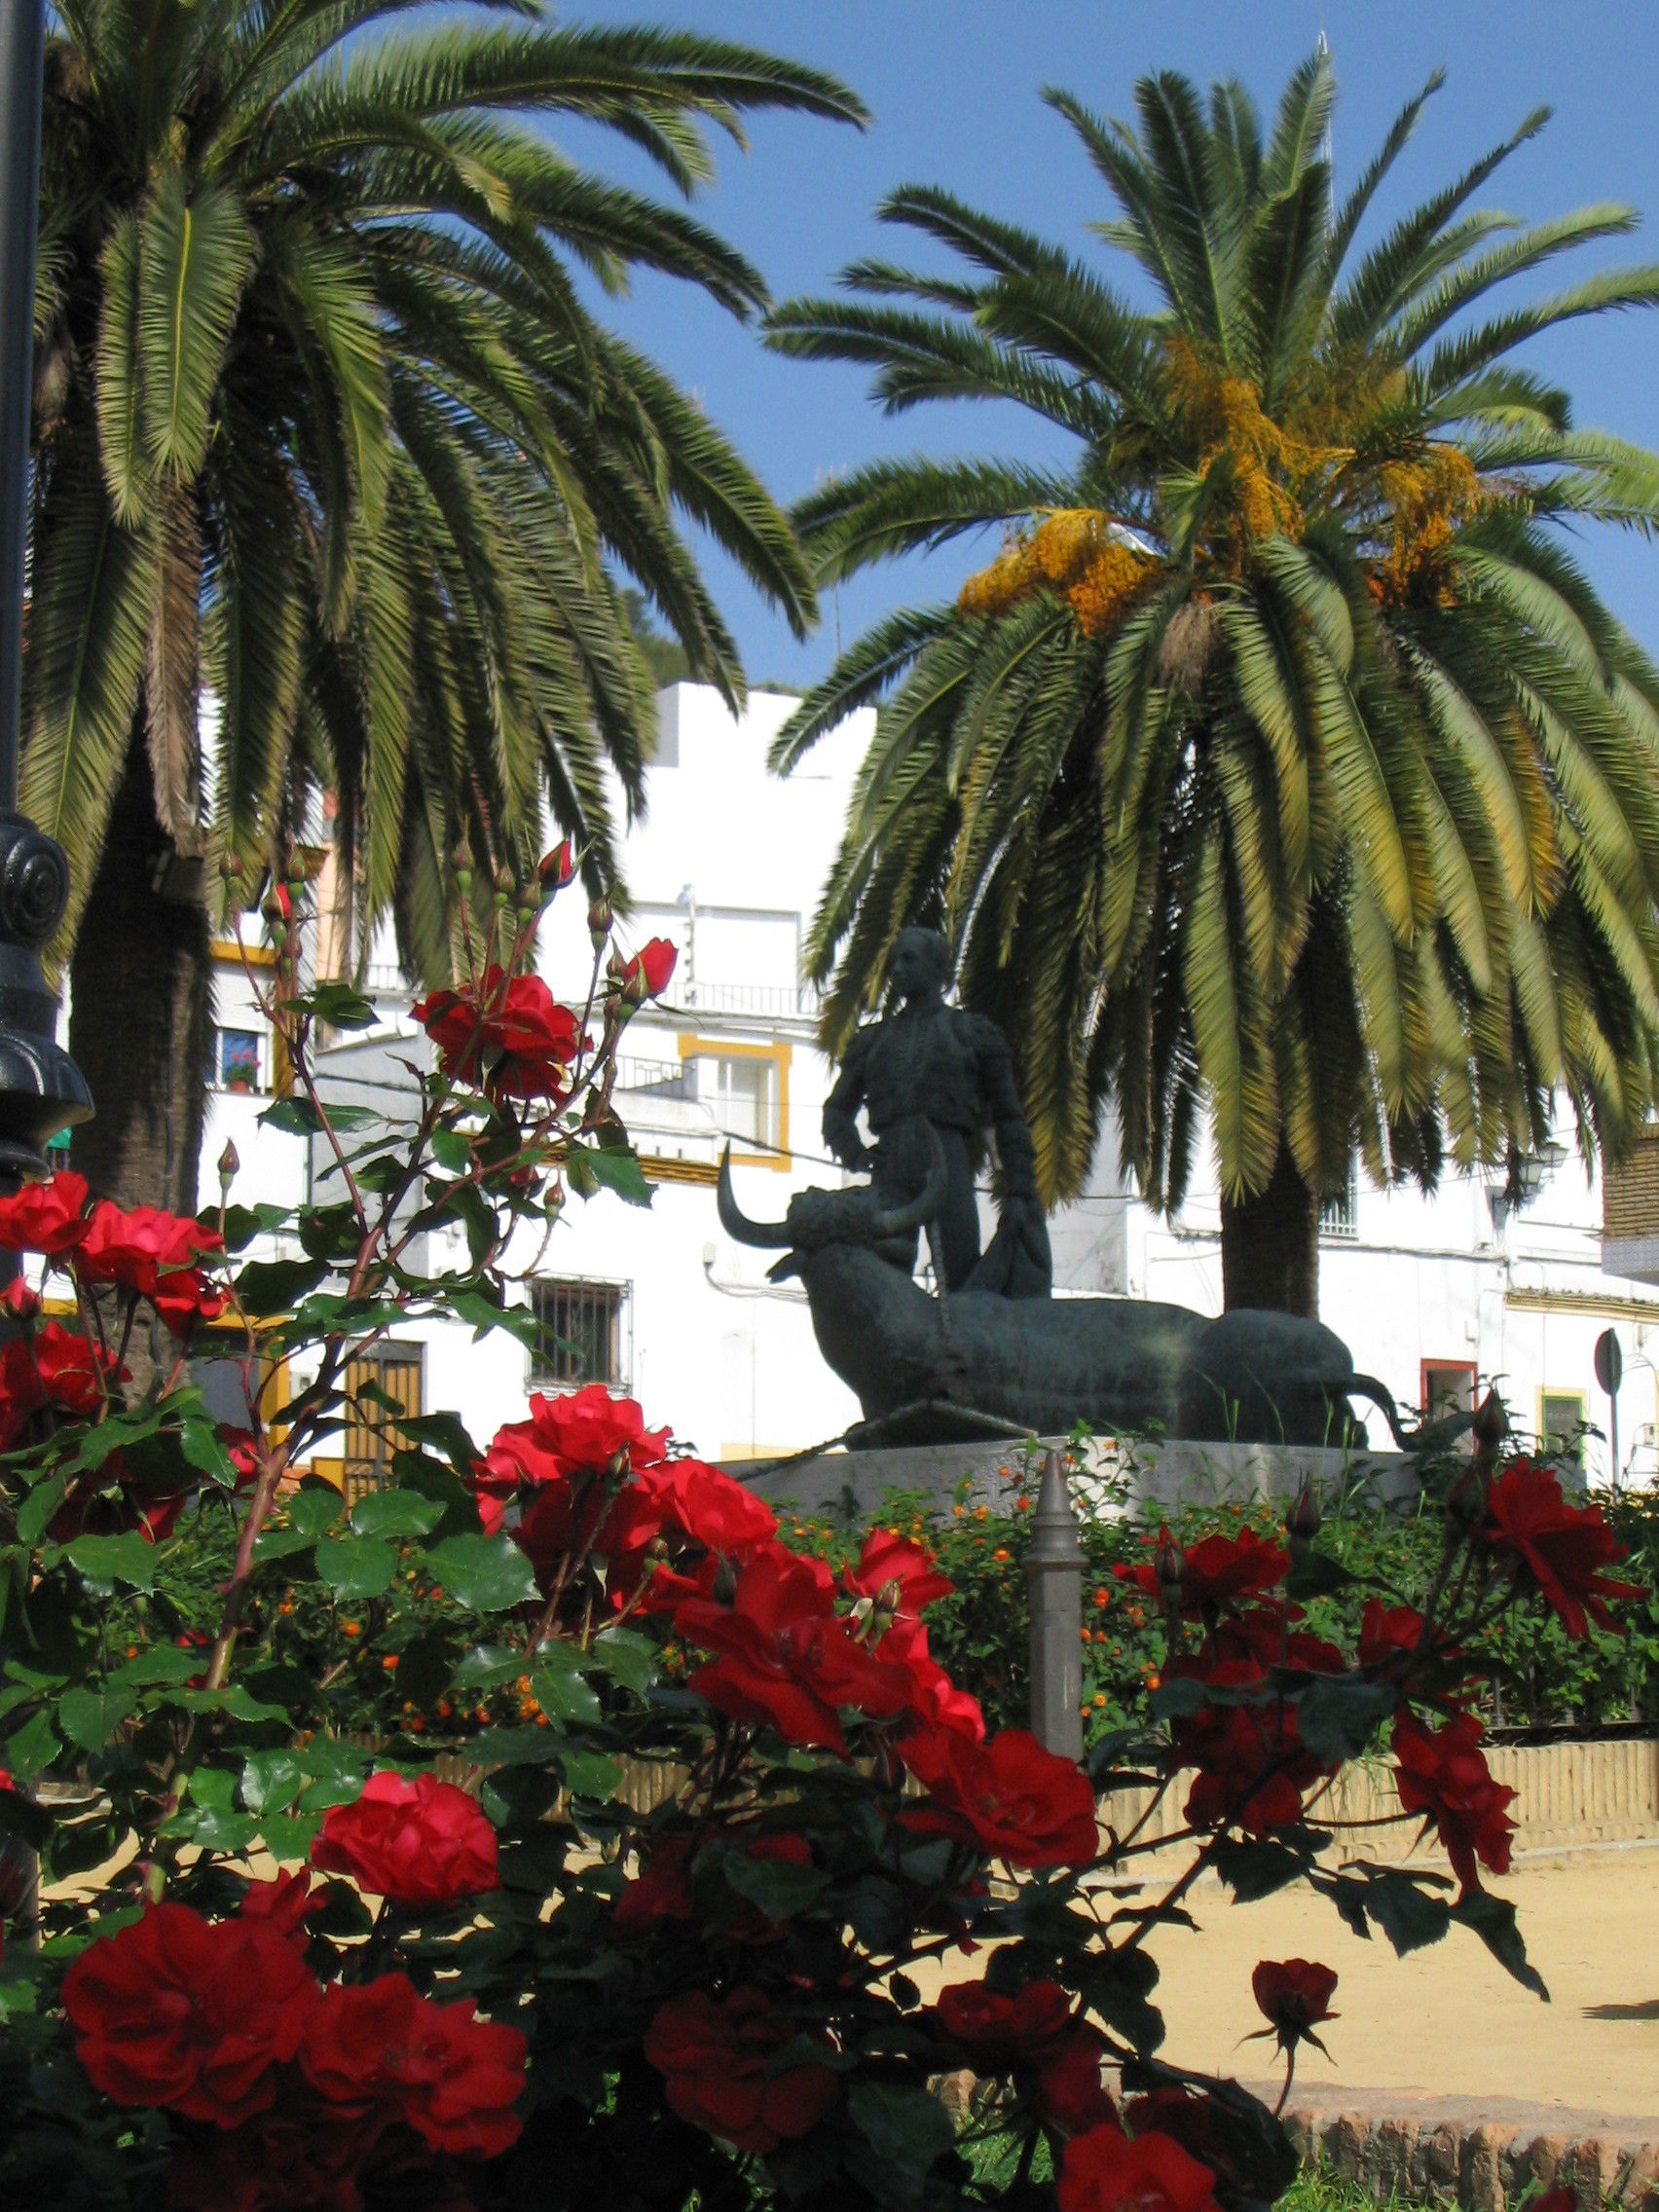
153	1253
508	1036
420	1843
1190	2120
1295	1997
189	2015
299	2157
1217	1570
646	975
578	1435
660	1890
1251	1767
713	2055
889	1562
45	1217
52	1367
450	2075
783	1657
1070	2095
1009	1798
708	1508
1103	2171
1560	1547
285	1902
934	1698
1001	2028
572	1516
1442	1772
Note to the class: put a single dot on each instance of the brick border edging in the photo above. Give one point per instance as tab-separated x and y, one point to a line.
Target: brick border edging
1481	2152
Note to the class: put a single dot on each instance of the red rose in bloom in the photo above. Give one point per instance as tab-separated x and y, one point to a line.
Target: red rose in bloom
153	1253
1009	1798
660	1890
301	2158
646	975
46	1217
189	2015
579	1514
999	2028
1251	1766
1443	1771
1295	1997
1190	2120
285	1902
708	1508
1218	1571
420	1843
783	1657
935	1698
451	2076
1103	2171
52	1367
1070	2095
887	1560
508	1036
713	2055
578	1435
1561	1546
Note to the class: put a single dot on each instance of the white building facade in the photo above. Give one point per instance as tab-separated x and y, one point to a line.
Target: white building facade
1438	1296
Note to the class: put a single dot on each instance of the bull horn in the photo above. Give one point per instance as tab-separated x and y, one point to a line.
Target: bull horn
768	1235
906	1220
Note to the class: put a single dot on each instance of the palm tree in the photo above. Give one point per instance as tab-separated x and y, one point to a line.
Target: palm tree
324	430
1283	773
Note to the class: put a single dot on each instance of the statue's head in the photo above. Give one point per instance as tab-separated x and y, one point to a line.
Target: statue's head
921	963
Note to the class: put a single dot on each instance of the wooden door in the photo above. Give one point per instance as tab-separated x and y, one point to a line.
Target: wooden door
370	1438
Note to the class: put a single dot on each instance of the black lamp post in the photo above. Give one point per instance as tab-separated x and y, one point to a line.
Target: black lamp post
41	1089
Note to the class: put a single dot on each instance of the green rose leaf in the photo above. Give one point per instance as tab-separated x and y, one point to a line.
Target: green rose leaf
901	2133
396	1513
357	1567
107	1560
484	1574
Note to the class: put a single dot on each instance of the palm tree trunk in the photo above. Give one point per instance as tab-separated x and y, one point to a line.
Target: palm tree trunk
140	1021
1269	1247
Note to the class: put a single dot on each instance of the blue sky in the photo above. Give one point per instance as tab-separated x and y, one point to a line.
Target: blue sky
954	85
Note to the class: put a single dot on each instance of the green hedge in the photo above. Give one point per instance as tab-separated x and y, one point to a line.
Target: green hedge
979	1634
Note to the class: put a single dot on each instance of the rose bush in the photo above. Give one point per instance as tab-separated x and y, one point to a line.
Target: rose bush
666	1935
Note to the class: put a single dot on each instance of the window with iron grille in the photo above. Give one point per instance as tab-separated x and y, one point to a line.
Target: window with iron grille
1338	1213
581	1334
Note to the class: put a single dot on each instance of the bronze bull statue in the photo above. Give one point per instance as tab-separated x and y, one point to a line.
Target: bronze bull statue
971	1364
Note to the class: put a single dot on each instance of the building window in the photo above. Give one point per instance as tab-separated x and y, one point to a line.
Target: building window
1560	1425
1338	1213
581	1334
742	1094
1448	1386
236	1060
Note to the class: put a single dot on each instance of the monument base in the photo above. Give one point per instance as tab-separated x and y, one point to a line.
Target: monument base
1131	1477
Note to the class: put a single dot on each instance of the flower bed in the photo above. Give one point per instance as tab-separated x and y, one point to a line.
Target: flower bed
531	1992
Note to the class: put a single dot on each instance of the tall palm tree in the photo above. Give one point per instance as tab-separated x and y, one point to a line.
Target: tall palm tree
1283	774
325	431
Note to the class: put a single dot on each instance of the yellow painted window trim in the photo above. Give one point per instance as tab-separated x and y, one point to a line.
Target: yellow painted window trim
1546	1391
781	1055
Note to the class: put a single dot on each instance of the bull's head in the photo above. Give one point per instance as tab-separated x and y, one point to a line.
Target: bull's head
815	1220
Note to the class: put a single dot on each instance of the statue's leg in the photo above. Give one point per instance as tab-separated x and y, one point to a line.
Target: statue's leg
956	1250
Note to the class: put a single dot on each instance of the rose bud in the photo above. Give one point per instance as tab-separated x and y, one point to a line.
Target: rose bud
18	1302
230	1164
1171	1569
647	976
463	868
1490	1424
600	919
555	869
1302	1522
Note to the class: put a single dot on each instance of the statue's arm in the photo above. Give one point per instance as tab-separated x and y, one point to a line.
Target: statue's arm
841	1107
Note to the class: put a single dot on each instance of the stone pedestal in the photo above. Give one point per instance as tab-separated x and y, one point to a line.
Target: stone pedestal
1134	1476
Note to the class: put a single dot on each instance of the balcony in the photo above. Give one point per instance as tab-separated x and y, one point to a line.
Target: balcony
1629	1212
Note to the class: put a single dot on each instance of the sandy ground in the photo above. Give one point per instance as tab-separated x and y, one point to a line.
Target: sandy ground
1447	2020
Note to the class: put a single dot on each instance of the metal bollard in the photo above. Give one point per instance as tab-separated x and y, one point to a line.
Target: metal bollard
1054	1578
